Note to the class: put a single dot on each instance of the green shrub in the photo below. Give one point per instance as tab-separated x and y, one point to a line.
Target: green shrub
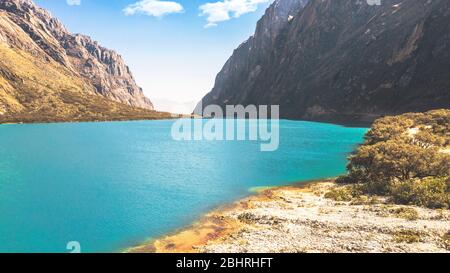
354	177
344	179
404	164
388	128
376	187
365	200
397	160
431	192
340	194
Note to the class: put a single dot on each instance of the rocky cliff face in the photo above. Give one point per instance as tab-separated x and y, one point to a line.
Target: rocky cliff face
342	60
30	34
245	65
105	69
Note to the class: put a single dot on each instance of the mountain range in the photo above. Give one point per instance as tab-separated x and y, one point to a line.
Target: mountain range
342	61
50	74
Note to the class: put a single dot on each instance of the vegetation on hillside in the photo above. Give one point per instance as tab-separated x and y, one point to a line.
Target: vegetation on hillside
36	90
406	158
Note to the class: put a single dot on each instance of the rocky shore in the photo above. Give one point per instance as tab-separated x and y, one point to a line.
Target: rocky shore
301	219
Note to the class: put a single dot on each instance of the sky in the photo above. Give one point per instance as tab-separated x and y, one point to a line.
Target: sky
174	48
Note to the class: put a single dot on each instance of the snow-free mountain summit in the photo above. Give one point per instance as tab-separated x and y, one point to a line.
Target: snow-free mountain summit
50	74
342	60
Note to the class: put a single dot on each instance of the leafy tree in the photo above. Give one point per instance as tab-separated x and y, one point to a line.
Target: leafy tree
402	149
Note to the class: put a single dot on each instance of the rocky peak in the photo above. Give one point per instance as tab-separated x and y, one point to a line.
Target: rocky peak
18	6
247	60
28	10
276	17
343	61
48	38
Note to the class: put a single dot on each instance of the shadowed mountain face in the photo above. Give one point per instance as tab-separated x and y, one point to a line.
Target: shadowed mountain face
342	60
47	71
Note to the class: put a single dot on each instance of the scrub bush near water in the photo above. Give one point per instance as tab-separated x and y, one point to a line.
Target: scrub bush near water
406	158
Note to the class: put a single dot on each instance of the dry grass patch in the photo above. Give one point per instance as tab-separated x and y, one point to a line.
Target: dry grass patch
446	240
407	236
410	214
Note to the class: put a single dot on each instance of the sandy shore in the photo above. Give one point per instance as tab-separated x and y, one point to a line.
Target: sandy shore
300	219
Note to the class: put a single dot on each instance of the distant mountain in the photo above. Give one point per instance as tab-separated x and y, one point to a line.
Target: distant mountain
47	73
342	60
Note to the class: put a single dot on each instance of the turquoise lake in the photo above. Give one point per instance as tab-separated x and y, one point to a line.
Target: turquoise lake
113	185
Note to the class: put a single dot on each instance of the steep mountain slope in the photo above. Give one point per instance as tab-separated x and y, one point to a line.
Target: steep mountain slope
48	74
345	61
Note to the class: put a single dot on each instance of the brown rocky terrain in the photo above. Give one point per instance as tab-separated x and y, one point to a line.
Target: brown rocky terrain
342	60
49	74
300	219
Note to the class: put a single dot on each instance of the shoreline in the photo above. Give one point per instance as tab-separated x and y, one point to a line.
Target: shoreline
211	225
343	124
298	218
85	121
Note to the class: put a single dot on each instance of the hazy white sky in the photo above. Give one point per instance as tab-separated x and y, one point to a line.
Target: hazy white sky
174	48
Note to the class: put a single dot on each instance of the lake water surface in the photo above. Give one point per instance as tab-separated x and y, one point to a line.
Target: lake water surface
113	185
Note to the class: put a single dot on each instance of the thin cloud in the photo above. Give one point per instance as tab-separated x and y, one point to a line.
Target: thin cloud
226	9
73	2
154	8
